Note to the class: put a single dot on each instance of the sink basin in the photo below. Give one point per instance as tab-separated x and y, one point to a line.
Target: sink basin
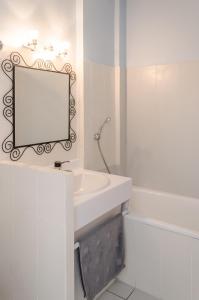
96	194
89	182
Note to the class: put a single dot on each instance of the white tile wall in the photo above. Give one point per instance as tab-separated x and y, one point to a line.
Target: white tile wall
162	119
99	104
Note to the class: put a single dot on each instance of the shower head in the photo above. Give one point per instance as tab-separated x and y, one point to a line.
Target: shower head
108	119
97	136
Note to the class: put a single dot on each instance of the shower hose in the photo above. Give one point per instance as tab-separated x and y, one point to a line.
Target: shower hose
102	156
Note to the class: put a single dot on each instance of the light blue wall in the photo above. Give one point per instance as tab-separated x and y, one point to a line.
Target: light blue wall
99	31
161	32
123	33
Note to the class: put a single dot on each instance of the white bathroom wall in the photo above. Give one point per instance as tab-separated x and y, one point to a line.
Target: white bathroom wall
162	32
102	55
54	20
99	79
162	95
122	86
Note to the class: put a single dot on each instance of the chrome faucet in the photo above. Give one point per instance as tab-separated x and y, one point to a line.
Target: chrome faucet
58	164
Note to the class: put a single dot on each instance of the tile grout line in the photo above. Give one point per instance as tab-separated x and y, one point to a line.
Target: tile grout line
115	295
131	293
120	296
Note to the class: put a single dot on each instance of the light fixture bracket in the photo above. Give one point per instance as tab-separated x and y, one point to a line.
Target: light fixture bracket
35	45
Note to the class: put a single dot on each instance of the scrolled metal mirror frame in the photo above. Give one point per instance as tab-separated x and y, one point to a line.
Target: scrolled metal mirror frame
16	59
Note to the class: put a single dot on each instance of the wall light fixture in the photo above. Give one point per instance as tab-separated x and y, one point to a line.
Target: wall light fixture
54	49
33	40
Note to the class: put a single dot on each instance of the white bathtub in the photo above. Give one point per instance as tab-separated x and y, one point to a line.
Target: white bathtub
162	245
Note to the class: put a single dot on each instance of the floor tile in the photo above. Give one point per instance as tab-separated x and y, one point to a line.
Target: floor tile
108	296
121	289
138	295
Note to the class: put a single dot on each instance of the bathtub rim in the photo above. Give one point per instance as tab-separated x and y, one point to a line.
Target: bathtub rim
163	225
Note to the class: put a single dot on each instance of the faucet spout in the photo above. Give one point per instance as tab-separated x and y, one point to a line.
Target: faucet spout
58	164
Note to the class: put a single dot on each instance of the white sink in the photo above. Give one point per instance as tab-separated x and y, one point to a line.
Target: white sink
88	182
96	193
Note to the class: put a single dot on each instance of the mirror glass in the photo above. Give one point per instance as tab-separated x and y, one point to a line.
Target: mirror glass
41	106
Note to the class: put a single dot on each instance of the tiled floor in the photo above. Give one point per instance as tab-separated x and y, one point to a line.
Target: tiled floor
121	291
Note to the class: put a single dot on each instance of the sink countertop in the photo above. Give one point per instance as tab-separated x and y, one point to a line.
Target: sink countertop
89	207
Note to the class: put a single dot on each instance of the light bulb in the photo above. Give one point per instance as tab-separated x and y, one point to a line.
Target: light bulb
65	45
33	34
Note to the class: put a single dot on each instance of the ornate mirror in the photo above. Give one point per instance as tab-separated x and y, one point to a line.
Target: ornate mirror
39	106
